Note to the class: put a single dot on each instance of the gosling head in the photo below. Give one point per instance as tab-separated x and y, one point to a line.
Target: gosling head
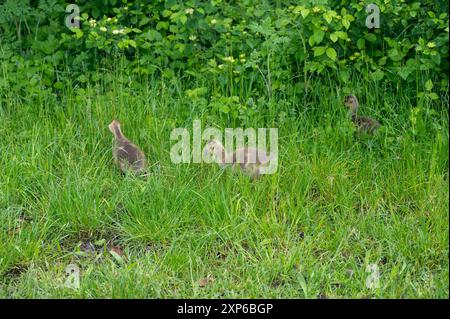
214	148
351	102
114	127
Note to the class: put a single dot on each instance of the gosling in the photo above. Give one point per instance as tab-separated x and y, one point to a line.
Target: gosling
363	124
126	154
250	160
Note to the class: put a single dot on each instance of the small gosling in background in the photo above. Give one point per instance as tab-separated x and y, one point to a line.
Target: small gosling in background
251	160
126	154
363	124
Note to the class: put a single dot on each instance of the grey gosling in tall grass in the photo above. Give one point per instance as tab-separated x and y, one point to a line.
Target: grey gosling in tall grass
126	154
251	160
364	124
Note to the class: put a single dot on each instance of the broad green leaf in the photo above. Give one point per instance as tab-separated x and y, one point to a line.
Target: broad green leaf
371	37
361	44
318	51
377	75
183	19
331	53
144	21
345	23
328	16
405	72
429	85
395	55
166	13
304	12
95	12
342	35
433	96
132	43
318	35
436	58
334	37
162	25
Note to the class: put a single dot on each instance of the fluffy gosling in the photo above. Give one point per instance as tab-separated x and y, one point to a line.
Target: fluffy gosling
363	124
249	159
126	154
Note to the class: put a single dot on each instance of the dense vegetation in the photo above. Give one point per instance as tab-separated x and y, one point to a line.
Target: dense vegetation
337	204
233	44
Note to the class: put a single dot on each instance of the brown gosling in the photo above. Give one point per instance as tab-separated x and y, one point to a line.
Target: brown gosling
126	154
251	160
363	124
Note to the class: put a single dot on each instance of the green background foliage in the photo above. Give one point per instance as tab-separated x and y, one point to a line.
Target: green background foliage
338	203
228	41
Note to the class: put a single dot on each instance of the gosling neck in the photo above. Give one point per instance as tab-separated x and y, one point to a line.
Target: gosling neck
221	156
354	112
118	133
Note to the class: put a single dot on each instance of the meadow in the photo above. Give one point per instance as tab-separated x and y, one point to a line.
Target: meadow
346	215
336	205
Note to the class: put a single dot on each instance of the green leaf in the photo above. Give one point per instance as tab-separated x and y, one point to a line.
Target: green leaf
345	23
377	75
78	32
318	35
344	75
183	19
58	85
144	21
361	44
328	16
433	96
318	51
95	12
342	35
166	13
132	43
197	92
162	25
304	12
395	55
334	37
82	78
429	85
331	53
152	35
405	72
436	58
224	109
371	37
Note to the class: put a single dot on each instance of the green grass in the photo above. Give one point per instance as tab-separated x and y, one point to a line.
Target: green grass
337	203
